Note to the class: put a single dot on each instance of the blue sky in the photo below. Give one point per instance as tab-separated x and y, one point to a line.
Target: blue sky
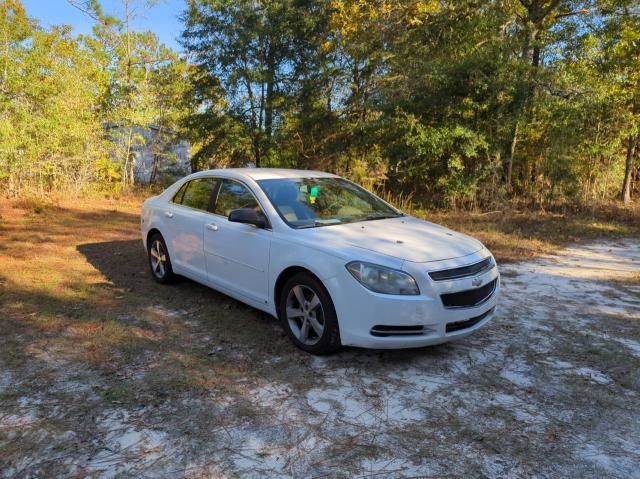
162	19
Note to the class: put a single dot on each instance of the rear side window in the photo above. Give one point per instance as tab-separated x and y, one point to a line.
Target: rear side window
178	196
234	195
196	194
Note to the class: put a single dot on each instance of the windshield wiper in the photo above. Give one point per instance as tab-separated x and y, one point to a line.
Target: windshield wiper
315	224
379	216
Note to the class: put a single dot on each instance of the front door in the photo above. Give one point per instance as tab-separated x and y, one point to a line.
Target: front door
237	254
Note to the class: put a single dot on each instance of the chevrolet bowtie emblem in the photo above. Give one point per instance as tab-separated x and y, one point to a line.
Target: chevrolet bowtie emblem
476	282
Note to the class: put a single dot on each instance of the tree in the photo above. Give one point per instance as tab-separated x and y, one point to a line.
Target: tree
622	59
59	92
49	129
146	83
15	30
255	50
535	21
455	103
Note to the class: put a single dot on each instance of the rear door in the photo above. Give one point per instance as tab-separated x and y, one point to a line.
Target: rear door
237	254
190	210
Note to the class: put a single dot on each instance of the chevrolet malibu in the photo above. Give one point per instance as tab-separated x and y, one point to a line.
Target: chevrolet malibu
333	262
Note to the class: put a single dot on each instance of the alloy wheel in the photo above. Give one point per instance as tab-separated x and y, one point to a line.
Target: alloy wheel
305	314
158	259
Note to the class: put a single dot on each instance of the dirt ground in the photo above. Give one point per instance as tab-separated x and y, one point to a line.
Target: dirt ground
105	374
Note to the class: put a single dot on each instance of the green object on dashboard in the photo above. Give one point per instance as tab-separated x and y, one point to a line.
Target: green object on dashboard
313	191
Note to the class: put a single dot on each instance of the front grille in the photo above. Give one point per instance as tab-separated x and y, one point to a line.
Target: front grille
462	272
469	298
458	325
383	331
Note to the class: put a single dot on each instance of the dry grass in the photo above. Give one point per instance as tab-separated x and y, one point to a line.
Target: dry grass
86	333
74	279
516	236
630	280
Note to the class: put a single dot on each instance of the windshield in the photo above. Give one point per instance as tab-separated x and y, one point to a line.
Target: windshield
310	202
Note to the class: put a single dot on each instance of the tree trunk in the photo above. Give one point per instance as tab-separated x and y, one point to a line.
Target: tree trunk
128	157
512	152
626	184
132	165
154	168
268	111
256	151
530	55
5	75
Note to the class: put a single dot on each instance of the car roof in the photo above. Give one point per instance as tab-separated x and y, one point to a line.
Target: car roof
264	173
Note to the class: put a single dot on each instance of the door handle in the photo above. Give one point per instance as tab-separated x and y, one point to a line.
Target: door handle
168	214
212	227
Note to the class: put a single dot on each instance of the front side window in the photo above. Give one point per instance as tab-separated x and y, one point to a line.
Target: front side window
309	202
197	194
234	195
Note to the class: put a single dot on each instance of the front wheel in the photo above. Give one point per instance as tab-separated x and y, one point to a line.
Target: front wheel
308	315
159	261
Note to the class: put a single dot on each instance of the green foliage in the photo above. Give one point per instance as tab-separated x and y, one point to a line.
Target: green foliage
146	84
48	122
450	103
72	109
253	54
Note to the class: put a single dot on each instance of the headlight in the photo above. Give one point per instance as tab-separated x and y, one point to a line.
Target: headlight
381	279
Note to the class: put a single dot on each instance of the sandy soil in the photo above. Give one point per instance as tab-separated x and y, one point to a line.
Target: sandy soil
550	388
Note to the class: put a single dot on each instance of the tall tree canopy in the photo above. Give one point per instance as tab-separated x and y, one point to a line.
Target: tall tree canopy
454	102
459	103
60	95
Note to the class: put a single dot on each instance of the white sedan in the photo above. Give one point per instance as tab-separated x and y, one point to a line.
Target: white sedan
336	264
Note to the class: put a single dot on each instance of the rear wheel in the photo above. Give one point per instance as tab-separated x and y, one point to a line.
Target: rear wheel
159	261
308	315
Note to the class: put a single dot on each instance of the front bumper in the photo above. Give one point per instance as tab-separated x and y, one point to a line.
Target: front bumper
360	311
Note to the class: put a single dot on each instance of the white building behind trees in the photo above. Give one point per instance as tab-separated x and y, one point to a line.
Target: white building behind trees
158	155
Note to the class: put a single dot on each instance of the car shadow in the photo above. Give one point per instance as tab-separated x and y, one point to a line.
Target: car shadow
124	265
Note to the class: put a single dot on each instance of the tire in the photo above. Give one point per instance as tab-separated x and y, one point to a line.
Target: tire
161	271
305	300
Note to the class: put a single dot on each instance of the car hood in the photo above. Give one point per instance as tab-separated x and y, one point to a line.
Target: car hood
405	238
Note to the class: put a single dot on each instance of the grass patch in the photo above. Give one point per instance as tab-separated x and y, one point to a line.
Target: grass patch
514	236
34	204
632	279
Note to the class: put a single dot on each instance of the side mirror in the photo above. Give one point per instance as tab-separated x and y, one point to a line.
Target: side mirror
247	216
